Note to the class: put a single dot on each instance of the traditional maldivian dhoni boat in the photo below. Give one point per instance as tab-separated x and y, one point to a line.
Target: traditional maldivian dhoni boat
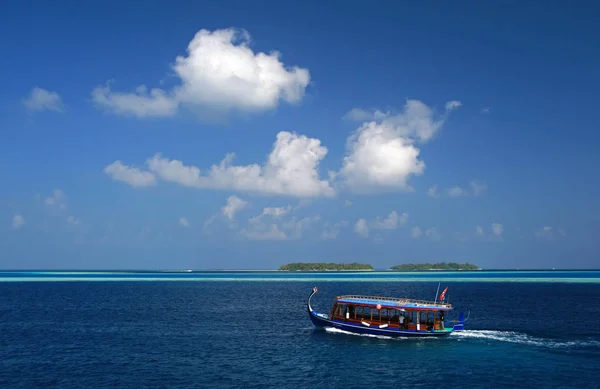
388	316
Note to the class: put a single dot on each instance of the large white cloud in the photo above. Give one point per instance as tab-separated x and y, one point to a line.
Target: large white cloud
382	153
291	169
219	73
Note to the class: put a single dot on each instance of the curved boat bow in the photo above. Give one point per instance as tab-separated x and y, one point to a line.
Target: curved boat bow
318	319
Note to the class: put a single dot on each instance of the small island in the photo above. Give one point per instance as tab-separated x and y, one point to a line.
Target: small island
307	266
435	266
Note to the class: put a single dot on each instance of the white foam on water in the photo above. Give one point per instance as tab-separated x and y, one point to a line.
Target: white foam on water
500	336
339	331
520	338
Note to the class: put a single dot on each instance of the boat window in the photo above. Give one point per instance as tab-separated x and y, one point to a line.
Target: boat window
348	311
385	314
437	321
351	311
334	309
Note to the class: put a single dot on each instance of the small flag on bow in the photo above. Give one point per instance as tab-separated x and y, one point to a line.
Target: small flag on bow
443	294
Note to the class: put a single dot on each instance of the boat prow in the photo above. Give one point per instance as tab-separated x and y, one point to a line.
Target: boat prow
387	316
320	320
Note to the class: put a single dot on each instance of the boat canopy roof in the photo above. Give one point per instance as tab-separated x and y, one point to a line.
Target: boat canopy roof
393	302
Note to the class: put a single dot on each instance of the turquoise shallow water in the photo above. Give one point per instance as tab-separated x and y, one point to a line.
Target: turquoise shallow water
375	276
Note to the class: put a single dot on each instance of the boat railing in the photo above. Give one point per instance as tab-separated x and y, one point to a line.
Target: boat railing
396	299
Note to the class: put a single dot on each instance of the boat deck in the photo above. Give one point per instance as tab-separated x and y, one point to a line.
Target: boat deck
393	302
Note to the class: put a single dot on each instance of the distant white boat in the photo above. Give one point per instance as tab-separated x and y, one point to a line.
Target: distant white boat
177	271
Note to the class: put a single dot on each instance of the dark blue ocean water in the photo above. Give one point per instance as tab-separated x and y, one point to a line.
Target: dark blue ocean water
253	334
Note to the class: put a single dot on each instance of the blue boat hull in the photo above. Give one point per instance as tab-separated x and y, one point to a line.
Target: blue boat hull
321	320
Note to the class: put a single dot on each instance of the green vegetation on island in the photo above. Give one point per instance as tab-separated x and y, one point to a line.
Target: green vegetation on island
300	266
434	266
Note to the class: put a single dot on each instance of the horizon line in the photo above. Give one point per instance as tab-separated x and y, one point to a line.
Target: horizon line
286	271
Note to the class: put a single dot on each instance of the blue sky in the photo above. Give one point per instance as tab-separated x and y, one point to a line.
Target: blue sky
389	134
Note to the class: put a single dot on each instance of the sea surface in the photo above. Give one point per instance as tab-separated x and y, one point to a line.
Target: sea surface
202	330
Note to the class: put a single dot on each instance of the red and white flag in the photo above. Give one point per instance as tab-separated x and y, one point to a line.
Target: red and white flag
315	289
443	294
